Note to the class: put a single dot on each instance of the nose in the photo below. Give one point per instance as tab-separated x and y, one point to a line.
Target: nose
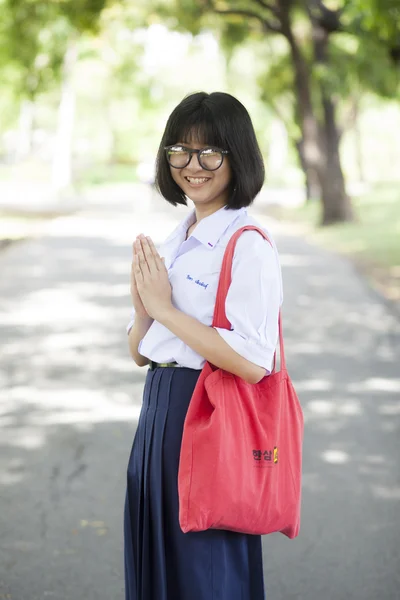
194	164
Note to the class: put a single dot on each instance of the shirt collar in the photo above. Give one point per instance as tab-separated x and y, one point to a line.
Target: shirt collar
181	229
211	228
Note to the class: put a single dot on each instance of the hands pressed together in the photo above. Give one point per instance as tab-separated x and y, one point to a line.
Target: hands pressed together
150	287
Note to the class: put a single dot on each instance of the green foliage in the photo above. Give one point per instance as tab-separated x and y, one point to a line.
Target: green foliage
180	15
39	58
130	98
380	18
377	22
34	36
354	68
233	34
276	91
83	15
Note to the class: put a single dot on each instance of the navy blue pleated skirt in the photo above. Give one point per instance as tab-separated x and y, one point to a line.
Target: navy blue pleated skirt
162	562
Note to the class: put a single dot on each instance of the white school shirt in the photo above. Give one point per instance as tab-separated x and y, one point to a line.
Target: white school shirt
253	300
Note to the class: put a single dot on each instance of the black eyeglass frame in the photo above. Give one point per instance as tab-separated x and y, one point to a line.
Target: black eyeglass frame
192	151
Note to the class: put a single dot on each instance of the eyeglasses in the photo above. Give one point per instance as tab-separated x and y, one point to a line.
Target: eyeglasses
209	158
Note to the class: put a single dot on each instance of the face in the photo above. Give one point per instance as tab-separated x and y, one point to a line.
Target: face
203	187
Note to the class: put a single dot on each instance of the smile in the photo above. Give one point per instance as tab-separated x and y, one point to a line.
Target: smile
197	180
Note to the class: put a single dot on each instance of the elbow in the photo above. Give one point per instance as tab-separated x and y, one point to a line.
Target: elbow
255	374
252	380
140	360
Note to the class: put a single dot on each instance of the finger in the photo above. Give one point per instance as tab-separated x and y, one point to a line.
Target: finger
137	269
157	257
135	255
135	263
150	258
152	246
136	246
142	258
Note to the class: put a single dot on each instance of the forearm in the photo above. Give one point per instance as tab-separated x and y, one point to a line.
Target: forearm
207	342
136	334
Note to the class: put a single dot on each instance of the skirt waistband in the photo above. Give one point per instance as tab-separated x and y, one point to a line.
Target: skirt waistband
154	365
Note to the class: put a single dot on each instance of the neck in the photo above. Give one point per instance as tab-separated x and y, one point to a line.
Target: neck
205	211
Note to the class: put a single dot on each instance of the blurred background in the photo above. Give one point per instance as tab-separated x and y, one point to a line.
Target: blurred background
86	89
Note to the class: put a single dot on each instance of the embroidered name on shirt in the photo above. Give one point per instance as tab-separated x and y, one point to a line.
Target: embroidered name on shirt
201	283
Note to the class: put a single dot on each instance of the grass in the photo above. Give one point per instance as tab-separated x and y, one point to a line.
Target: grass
372	242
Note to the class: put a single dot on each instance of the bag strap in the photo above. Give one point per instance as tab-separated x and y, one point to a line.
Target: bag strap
220	319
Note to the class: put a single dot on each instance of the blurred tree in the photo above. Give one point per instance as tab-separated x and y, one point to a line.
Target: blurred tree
81	16
31	54
307	26
276	84
319	143
377	21
309	76
372	31
325	22
38	48
129	92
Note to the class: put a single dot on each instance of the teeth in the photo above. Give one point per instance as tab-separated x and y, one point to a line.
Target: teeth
193	180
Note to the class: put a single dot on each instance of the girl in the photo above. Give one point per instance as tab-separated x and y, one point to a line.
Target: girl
209	154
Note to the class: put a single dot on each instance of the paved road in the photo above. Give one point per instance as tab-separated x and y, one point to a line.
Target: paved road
70	397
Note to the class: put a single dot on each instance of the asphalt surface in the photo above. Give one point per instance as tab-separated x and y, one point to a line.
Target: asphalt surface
70	398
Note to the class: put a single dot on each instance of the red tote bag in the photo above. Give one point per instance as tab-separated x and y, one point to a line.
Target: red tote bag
241	452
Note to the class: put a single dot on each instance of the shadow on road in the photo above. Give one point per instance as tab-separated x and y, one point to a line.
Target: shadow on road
70	398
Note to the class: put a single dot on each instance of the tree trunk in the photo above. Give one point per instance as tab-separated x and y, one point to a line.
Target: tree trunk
310	151
336	204
321	145
313	188
62	169
335	201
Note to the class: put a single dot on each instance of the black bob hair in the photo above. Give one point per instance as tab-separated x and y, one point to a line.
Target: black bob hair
220	120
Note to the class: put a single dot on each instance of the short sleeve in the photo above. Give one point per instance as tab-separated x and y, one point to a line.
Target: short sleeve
253	300
131	322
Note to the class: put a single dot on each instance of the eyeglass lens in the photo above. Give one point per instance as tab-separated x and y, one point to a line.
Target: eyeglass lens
209	158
